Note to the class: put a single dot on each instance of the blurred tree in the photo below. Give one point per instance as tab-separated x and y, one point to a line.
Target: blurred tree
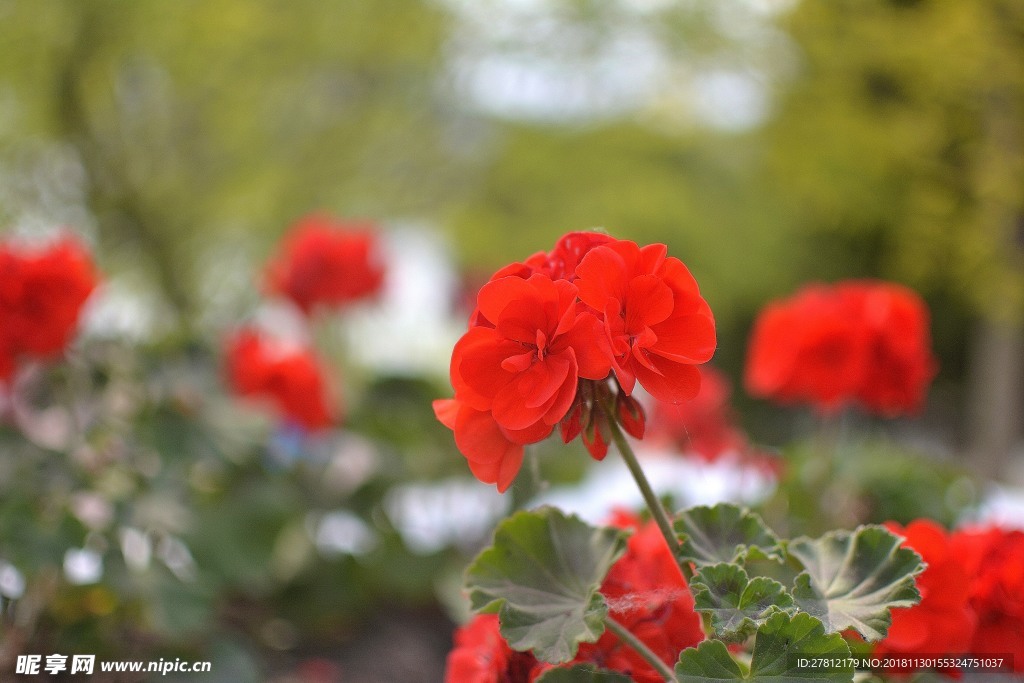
199	123
900	142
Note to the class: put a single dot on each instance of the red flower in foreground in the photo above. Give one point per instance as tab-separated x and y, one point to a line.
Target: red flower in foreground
645	592
657	322
972	595
943	622
859	341
546	336
328	263
994	559
290	378
41	297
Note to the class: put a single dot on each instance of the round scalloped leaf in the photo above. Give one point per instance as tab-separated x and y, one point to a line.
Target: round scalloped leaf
541	575
778	647
736	603
582	673
723	533
852	579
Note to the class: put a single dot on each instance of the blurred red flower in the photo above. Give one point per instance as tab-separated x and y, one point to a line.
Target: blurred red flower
646	593
658	324
943	622
704	426
325	262
289	377
860	342
994	559
42	292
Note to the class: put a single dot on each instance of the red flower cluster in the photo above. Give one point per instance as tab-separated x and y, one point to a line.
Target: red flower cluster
972	594
646	593
548	332
858	341
328	263
41	297
289	377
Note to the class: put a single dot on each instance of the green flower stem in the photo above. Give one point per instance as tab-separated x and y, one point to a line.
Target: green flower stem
628	638
653	504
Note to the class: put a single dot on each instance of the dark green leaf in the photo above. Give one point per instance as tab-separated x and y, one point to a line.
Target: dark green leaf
722	533
541	575
781	642
736	603
852	579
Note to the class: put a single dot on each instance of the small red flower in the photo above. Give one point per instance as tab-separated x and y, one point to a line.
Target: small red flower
943	622
856	342
658	324
324	262
290	377
41	297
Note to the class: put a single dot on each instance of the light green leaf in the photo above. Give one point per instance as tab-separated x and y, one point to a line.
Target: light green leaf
582	673
722	533
736	603
781	642
541	575
853	578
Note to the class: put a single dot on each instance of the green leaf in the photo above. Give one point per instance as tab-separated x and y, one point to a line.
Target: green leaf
722	533
780	644
582	673
736	603
541	575
852	579
709	661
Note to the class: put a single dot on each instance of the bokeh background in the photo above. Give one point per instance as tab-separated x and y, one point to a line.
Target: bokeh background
145	512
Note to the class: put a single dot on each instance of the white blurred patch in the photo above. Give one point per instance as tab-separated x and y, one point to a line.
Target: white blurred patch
342	533
136	548
411	329
12	583
608	485
83	566
1003	506
453	512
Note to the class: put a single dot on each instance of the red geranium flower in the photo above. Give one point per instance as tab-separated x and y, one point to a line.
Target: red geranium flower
546	335
657	322
943	622
41	297
516	380
994	559
859	341
327	262
899	364
289	377
646	593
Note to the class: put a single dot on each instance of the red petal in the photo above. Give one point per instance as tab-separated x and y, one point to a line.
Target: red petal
677	382
648	301
601	276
